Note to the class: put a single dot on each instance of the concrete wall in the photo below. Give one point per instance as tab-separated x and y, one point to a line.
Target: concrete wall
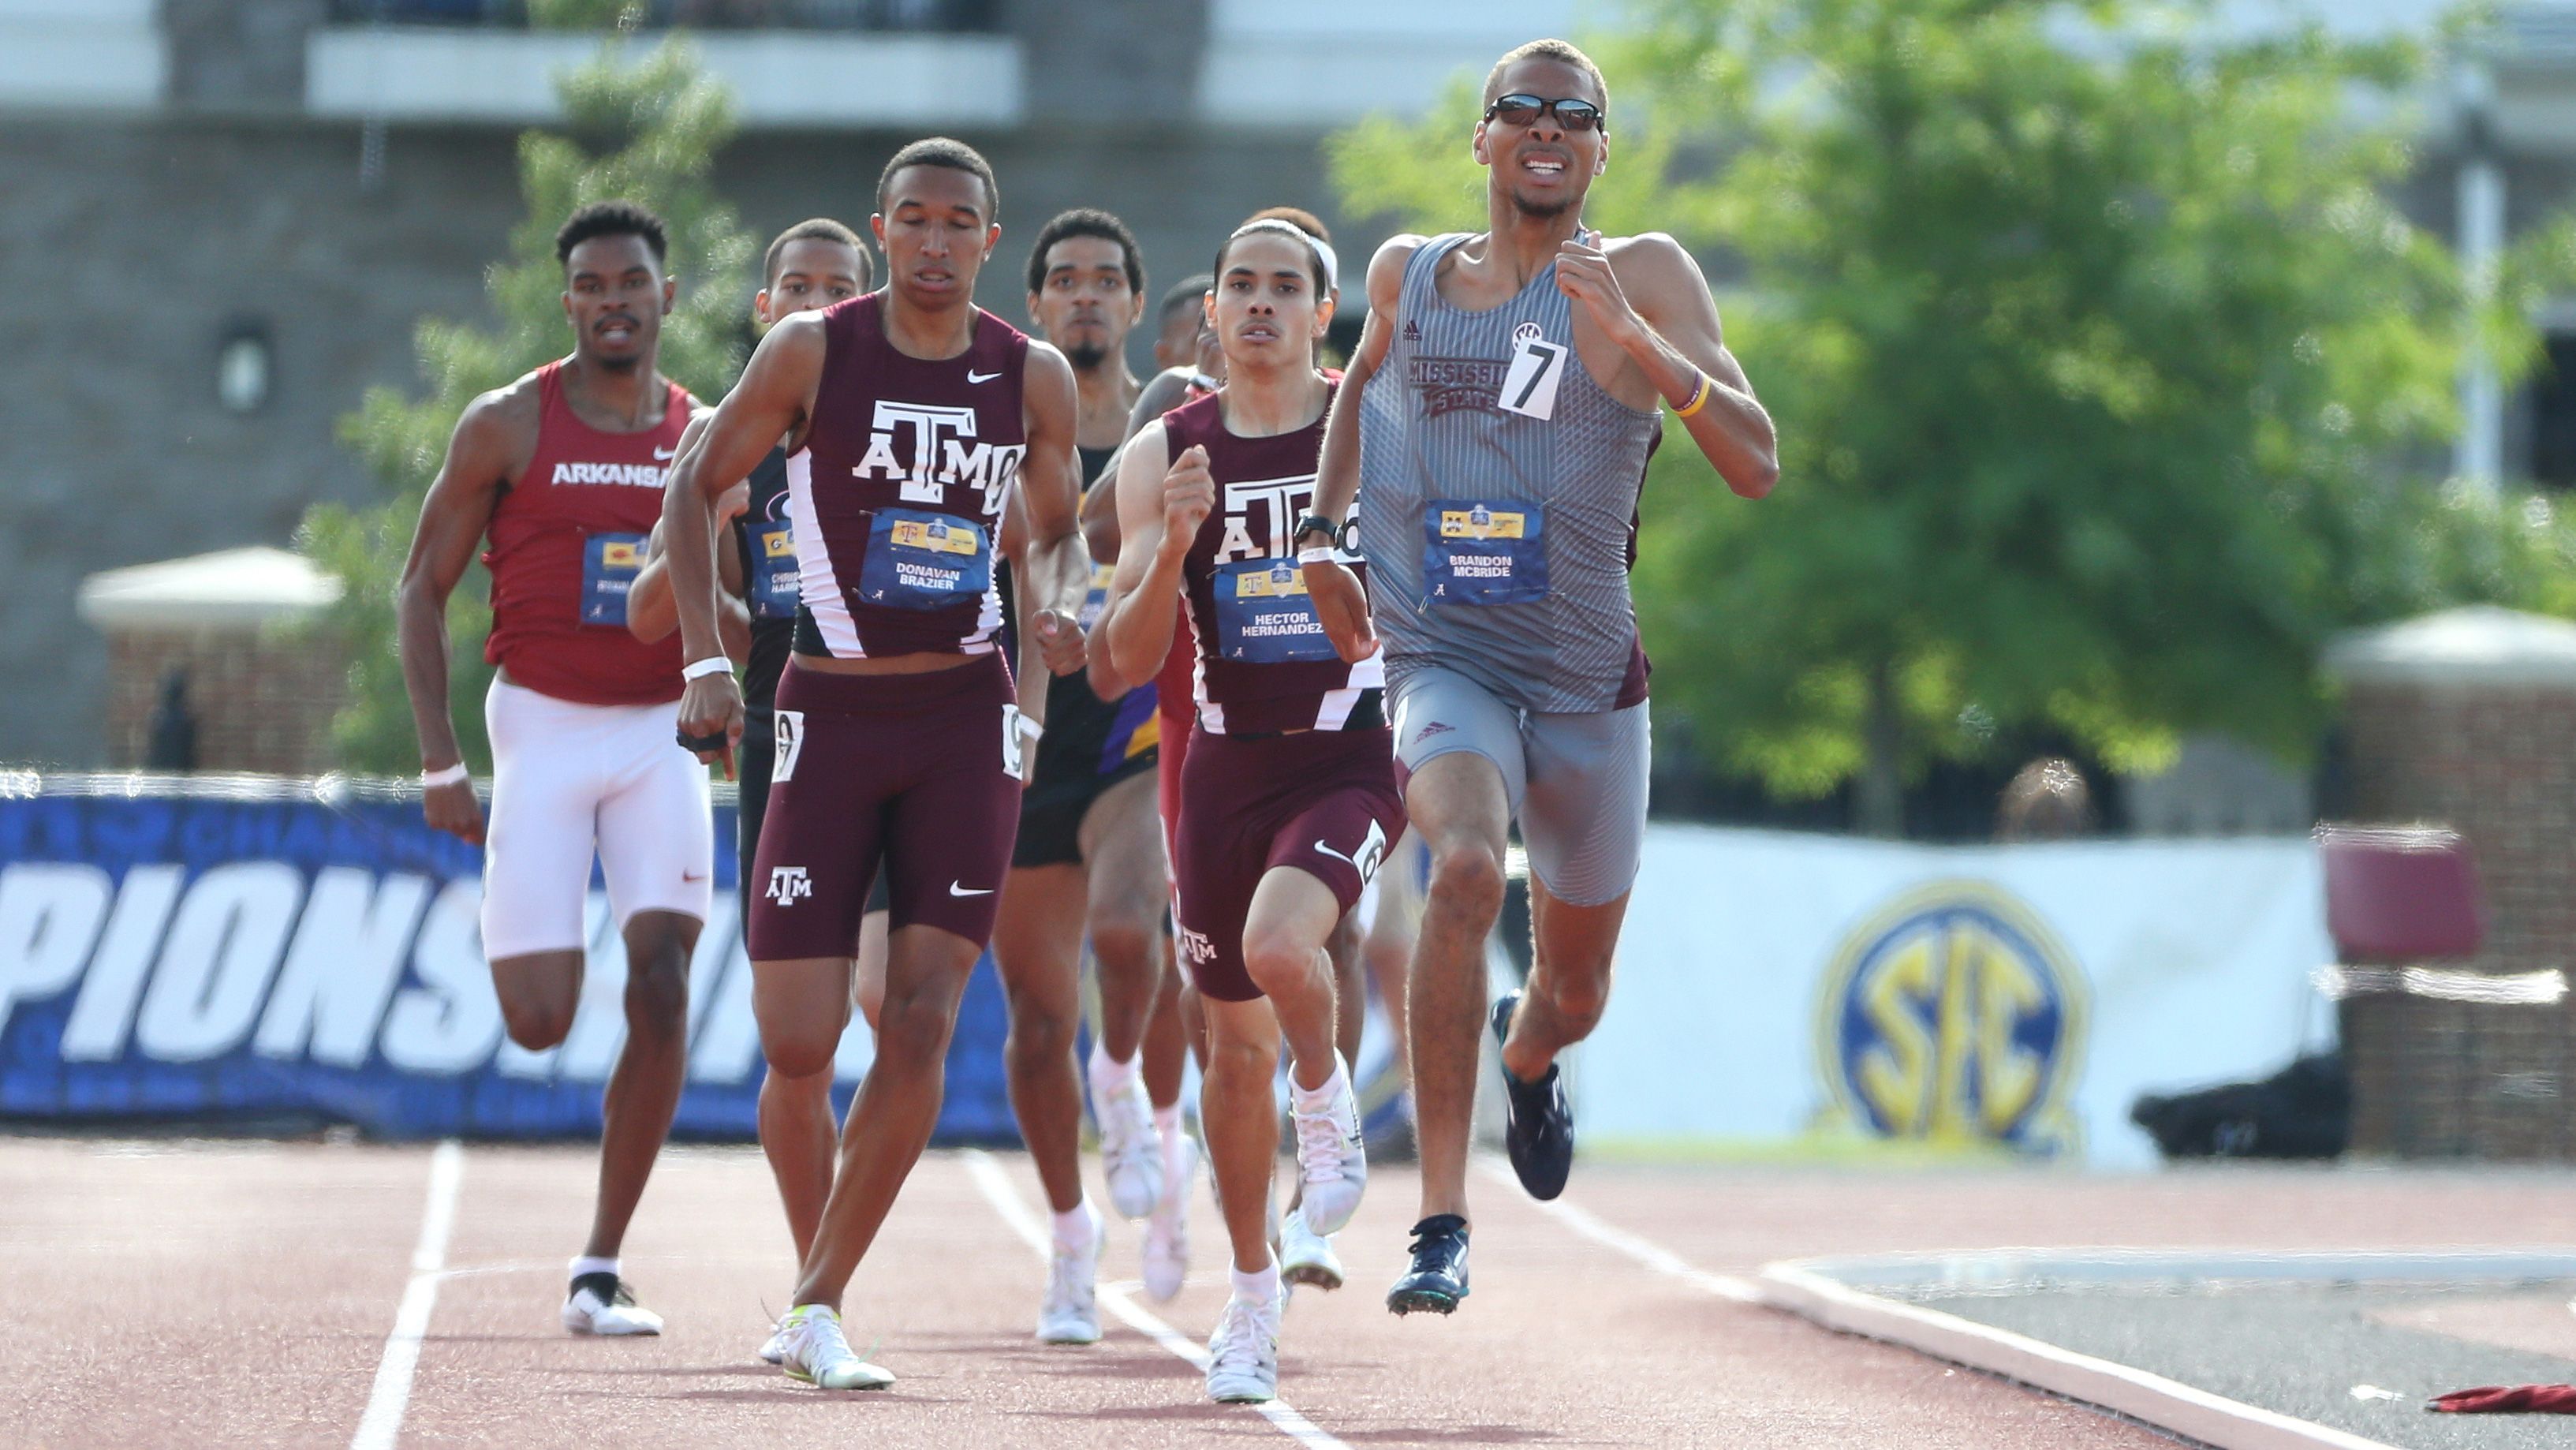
129	246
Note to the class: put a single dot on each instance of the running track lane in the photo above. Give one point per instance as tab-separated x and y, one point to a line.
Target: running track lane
251	1288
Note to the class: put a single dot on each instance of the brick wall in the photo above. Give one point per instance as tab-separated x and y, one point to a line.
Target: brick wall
2497	763
262	702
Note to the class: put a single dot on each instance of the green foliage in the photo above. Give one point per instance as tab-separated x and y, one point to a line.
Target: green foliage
643	130
2105	372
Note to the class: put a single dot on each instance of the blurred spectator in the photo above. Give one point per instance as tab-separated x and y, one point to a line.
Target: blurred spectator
2047	800
172	741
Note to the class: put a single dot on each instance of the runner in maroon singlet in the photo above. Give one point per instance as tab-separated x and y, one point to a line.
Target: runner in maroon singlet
910	414
564	470
1288	799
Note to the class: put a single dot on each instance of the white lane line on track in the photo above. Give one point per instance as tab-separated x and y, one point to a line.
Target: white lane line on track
1023	1221
1645	1251
392	1394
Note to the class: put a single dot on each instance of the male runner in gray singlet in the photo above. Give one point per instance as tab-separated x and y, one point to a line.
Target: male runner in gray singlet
1495	427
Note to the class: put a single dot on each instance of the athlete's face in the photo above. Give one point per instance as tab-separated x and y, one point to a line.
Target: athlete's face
1265	308
616	297
937	229
1085	305
1177	345
813	272
1542	166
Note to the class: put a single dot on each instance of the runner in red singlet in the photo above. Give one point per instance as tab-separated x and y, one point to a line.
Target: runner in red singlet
564	470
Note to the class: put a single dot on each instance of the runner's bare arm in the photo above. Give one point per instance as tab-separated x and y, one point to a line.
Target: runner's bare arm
1162	393
1652	300
1030	668
1100	509
1161	502
649	612
773	400
1059	568
1100	537
1341	605
491	442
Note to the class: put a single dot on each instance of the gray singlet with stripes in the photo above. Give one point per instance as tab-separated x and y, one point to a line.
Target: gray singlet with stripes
1432	427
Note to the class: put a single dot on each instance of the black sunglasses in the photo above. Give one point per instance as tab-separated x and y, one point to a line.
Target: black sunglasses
1522	110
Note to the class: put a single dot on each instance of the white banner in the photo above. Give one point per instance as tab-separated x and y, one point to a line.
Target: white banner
1774	985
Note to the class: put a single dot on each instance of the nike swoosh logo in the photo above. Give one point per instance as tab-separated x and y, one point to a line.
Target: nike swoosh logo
973	376
954	889
1336	855
693	876
665	455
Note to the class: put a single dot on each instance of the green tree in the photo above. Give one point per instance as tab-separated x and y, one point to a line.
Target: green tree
646	129
2107	376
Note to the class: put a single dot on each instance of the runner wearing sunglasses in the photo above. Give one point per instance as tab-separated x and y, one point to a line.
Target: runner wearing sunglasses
1494	428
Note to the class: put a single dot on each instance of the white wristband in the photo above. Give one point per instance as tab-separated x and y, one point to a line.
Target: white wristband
1319	554
453	775
711	665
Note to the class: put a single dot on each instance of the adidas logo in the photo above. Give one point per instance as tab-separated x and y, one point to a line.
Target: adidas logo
1434	728
1412	331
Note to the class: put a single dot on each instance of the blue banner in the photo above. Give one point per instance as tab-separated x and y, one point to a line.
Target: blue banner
267	953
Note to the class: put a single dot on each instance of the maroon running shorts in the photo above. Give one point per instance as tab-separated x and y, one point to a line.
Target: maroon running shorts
907	770
1323	801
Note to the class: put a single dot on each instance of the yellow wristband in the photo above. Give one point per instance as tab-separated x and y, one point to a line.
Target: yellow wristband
1699	399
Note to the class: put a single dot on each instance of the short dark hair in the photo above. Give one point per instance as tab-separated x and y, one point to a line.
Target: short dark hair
1087	221
1273	226
611	219
1187	292
1547	50
954	155
1295	216
814	229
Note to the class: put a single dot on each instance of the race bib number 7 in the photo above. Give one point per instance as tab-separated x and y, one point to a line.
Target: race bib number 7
1529	386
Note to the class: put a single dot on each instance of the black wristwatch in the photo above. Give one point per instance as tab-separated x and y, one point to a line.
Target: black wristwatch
1336	535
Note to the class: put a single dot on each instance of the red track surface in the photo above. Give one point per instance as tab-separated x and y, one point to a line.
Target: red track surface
241	1294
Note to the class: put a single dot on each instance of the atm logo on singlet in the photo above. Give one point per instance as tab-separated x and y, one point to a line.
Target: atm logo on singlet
1259	513
929	448
624	475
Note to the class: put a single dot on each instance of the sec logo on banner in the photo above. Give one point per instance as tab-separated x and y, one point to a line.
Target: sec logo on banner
1954	1015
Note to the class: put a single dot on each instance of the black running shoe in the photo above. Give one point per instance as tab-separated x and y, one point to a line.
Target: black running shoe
1540	1127
1438	1279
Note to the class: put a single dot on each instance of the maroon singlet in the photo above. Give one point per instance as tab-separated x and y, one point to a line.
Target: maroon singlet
897	493
1255	678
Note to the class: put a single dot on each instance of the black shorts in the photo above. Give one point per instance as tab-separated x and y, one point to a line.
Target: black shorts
1089	745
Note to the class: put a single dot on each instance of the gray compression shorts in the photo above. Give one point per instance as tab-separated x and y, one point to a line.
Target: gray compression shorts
1577	782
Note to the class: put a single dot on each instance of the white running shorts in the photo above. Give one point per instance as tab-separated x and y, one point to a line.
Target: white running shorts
568	779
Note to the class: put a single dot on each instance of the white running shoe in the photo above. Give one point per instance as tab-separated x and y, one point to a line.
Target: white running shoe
1070	1314
1167	1233
602	1304
1305	1256
1128	1144
814	1350
775	1350
1243	1354
1331	1157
